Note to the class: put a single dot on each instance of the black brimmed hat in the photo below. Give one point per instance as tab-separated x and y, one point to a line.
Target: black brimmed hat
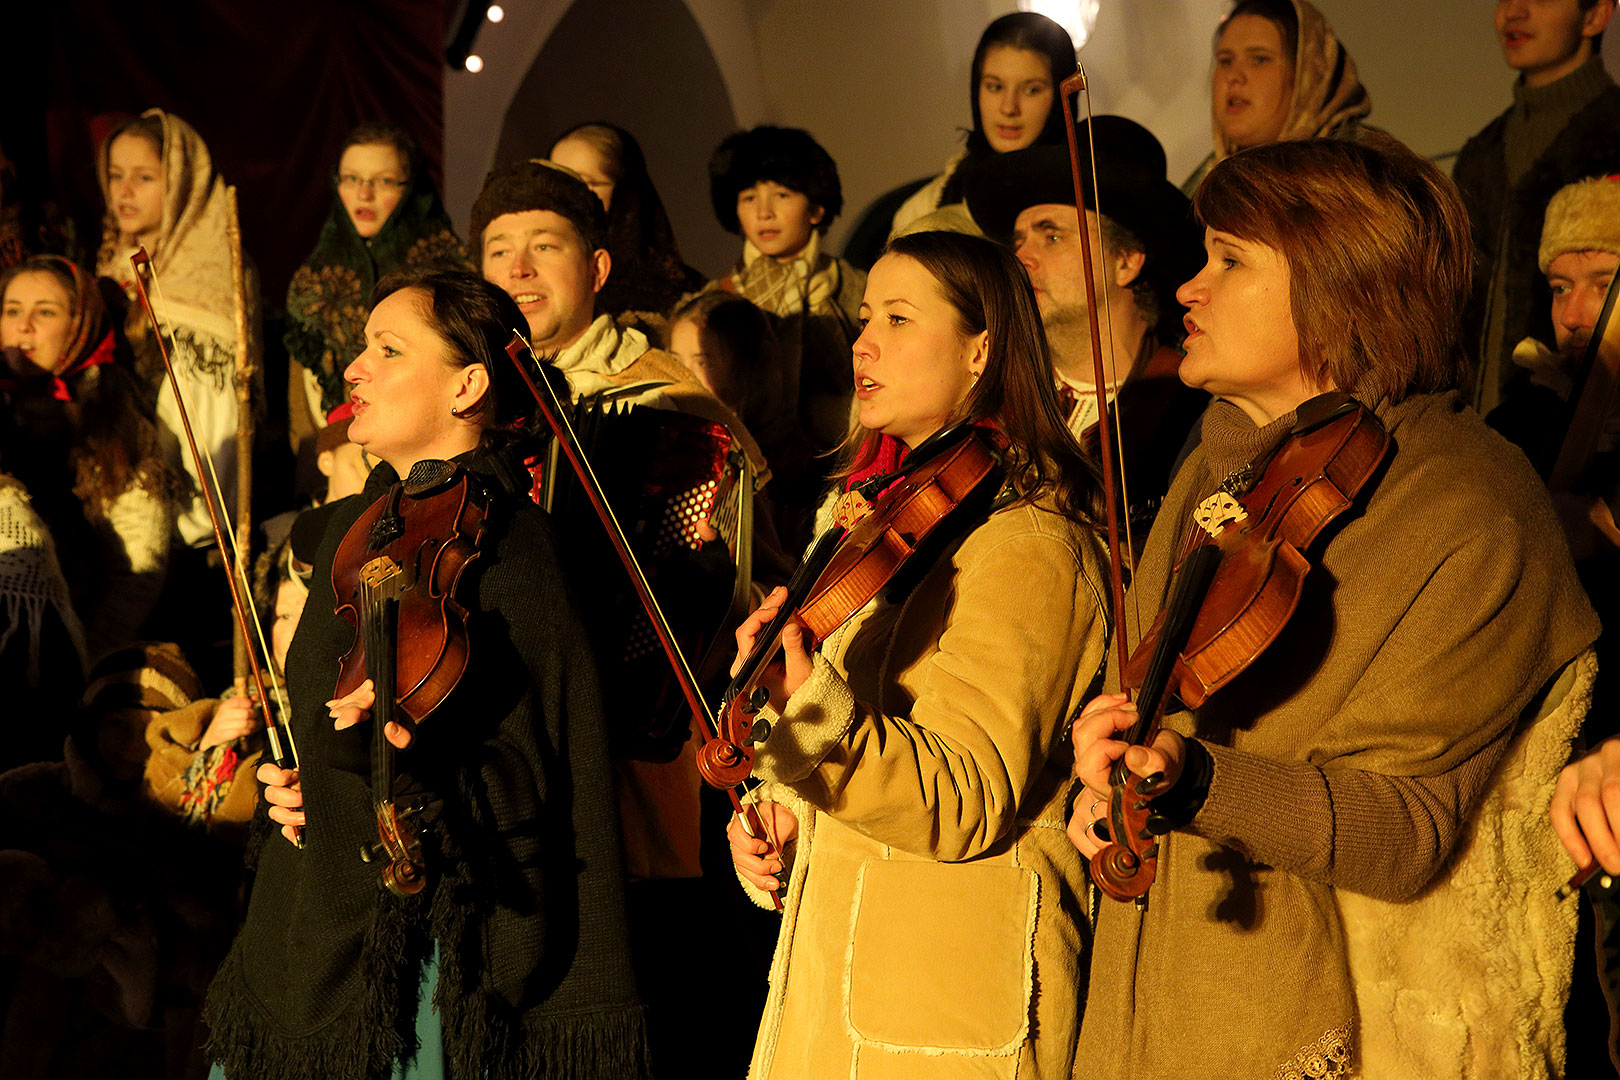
1131	179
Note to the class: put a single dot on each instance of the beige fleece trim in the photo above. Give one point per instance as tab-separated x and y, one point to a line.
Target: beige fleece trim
770	1021
1471	977
815	719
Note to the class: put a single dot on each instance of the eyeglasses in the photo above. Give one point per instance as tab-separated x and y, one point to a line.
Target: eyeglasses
382	184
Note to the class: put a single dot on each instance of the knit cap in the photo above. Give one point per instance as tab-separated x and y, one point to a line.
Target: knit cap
149	678
537	185
1584	216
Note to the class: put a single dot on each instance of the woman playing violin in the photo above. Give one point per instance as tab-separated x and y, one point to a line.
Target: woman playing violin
1356	880
916	767
520	924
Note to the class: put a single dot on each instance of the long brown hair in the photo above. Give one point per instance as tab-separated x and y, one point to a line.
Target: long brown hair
991	294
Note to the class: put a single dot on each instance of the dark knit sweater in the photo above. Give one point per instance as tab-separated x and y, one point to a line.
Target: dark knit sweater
1552	136
524	894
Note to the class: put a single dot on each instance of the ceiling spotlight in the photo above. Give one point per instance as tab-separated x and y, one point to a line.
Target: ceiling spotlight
1078	17
475	63
495	13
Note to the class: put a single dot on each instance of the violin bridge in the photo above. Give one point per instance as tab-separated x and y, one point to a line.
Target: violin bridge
852	509
1219	511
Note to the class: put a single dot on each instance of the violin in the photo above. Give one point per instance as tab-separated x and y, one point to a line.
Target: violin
725	754
1232	593
1236	586
395	575
943	478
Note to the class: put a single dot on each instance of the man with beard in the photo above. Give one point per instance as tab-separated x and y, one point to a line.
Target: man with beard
1144	245
1580	251
1564	124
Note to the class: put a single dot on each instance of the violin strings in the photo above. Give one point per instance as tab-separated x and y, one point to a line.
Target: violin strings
1113	366
214	491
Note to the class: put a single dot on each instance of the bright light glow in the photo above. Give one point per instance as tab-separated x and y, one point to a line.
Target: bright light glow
475	63
1078	17
495	13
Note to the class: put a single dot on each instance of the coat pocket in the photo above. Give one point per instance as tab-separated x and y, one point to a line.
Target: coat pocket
941	956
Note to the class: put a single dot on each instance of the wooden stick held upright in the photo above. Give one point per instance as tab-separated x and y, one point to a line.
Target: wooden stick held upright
1070	87
244	417
279	753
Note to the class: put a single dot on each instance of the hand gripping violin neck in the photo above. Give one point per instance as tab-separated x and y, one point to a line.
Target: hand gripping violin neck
395	574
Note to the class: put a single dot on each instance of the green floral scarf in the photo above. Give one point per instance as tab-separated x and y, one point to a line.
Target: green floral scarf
330	295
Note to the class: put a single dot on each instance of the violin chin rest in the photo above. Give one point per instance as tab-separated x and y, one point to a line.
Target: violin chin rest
427	476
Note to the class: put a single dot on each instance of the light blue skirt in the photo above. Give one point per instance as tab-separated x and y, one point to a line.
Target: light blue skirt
429	1063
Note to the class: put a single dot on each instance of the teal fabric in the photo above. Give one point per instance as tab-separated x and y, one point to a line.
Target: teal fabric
429	1063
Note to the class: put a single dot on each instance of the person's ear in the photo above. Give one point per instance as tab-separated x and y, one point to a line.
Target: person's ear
1128	267
470	390
601	266
817	212
326	461
1595	19
980	356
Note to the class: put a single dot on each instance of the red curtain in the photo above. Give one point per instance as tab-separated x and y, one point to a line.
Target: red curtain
272	88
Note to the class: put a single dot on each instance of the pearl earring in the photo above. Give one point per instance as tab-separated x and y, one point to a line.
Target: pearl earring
453	411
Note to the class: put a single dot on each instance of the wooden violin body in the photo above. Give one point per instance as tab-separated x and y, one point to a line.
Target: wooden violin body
1231	596
1263	529
395	575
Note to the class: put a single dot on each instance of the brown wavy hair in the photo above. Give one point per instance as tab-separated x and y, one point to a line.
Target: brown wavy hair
990	292
1380	259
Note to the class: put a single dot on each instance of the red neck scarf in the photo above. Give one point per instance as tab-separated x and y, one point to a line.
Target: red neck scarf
101	354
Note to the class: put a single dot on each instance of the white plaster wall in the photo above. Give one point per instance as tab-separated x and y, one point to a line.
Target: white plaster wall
883	83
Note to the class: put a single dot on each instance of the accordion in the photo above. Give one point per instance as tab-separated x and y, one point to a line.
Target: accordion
662	472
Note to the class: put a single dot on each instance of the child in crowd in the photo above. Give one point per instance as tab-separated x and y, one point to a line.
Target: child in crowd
778	189
731	347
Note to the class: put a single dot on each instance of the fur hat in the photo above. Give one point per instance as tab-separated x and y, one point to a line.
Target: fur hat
786	156
537	185
1584	216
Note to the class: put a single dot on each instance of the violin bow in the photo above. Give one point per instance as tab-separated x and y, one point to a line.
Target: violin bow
712	744
1119	857
243	533
1108	437
280	742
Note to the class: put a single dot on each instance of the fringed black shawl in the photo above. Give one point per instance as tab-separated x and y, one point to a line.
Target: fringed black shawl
525	894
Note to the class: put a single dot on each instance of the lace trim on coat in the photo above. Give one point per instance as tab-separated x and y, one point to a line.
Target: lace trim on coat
1327	1058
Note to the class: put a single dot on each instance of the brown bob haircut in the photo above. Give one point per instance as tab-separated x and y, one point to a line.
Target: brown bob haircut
1379	257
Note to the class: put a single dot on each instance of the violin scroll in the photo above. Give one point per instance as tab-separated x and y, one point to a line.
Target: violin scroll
1125	867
